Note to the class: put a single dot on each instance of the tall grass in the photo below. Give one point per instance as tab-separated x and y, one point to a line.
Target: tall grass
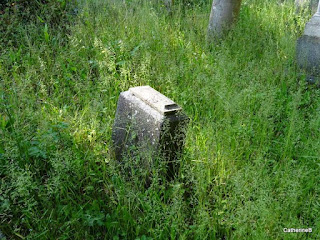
251	162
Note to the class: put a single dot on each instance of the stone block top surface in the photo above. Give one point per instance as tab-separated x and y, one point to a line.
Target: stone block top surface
156	100
313	27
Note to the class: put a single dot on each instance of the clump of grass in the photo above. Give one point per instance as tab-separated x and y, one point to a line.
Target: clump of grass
250	164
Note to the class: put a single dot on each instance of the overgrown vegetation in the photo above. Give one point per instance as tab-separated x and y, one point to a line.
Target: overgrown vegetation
251	162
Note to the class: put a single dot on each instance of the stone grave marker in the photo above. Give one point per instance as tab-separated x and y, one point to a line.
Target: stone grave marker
152	124
223	14
309	4
308	49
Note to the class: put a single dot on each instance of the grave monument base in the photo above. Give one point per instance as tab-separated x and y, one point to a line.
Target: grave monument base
308	50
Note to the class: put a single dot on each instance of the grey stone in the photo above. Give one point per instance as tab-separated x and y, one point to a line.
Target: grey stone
310	4
308	50
151	124
168	4
312	27
223	14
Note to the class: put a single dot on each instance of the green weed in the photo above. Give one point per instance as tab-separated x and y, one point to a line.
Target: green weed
251	160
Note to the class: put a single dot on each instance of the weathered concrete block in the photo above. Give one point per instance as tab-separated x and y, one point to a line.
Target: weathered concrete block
308	50
152	124
310	4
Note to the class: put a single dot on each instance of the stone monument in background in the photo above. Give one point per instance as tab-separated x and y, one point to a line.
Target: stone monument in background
308	49
223	15
310	4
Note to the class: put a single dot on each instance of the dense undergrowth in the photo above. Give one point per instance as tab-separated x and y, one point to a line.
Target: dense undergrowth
251	162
